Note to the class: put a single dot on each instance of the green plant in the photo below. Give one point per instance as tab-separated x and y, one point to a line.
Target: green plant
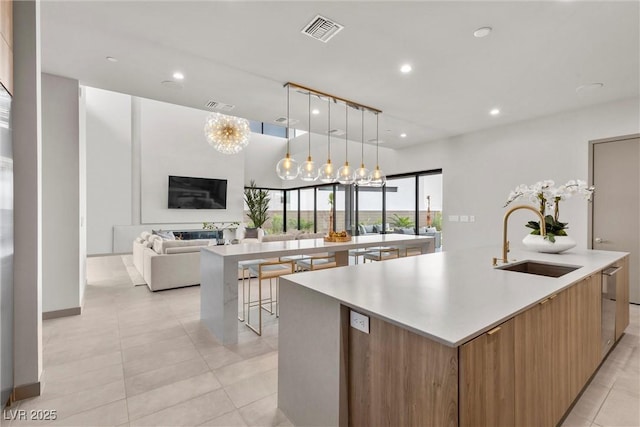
219	225
306	225
276	224
401	221
437	221
257	201
552	227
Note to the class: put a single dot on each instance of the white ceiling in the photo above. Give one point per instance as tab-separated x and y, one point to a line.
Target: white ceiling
241	53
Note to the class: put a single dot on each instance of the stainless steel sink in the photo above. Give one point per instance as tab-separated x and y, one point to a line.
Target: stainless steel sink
540	268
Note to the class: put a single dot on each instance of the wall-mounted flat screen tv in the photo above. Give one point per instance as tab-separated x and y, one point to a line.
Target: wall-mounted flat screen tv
197	193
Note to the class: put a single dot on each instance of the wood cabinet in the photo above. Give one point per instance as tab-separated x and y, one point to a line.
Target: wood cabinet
6	44
486	378
622	297
585	345
533	347
557	348
398	378
525	372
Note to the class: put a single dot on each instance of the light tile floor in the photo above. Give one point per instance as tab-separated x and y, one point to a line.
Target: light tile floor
140	358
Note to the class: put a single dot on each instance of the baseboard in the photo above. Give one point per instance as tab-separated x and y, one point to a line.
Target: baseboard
26	391
74	311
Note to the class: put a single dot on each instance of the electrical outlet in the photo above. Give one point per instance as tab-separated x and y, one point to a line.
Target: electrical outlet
453	218
359	321
464	218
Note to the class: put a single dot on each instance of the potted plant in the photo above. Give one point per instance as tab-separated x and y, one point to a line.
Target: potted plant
547	196
257	201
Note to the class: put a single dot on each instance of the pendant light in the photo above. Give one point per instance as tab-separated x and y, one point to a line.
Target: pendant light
377	177
327	172
345	173
288	168
361	175
308	171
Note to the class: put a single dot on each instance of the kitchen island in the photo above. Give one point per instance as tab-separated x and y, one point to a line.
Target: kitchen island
452	340
219	270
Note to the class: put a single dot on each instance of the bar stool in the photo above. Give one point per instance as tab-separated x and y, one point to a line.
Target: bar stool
266	270
294	258
357	253
243	269
382	254
412	251
317	262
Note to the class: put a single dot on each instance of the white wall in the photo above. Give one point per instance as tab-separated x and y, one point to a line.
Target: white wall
260	159
26	122
480	168
82	177
108	130
134	144
173	143
61	281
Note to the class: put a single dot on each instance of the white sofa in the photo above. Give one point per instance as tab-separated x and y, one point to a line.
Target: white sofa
168	264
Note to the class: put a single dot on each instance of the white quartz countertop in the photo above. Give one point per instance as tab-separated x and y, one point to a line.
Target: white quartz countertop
453	296
246	251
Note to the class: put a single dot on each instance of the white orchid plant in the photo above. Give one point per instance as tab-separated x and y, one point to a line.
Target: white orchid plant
546	195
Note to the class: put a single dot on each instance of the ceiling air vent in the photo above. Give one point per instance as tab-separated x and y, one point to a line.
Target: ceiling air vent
321	28
337	132
215	105
283	121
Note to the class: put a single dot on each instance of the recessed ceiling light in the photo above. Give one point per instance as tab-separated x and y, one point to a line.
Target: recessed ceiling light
178	75
315	111
406	68
589	87
482	32
403	135
111	59
494	112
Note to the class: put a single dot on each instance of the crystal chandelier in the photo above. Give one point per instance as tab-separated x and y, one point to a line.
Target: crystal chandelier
227	134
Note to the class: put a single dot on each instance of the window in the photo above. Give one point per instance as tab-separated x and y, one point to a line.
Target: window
307	209
292	210
401	205
369	209
324	209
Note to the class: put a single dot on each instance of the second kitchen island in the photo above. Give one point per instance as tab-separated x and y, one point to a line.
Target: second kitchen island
451	340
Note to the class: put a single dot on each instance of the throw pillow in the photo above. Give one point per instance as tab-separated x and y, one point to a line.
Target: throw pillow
369	229
250	233
167	235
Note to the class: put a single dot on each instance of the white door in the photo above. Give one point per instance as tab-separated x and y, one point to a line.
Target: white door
616	203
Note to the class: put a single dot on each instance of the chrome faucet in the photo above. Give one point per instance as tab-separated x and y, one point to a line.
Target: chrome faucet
505	242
